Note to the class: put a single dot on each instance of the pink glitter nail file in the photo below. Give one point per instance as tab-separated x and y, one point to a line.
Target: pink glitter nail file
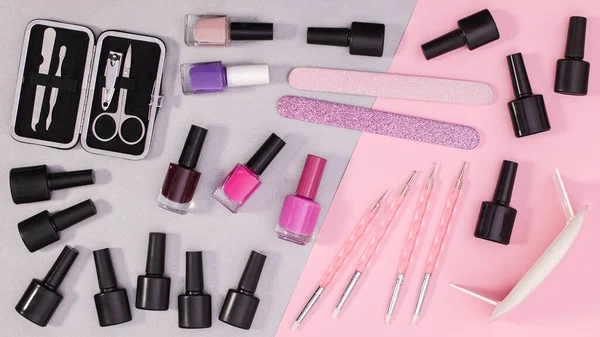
378	122
391	85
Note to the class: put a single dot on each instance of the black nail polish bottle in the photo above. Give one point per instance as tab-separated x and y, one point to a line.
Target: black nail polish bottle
112	305
41	298
497	218
363	38
240	305
42	229
153	288
527	111
572	72
475	31
34	183
194	306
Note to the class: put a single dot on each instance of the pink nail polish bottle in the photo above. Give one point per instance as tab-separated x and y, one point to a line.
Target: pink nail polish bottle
300	212
243	180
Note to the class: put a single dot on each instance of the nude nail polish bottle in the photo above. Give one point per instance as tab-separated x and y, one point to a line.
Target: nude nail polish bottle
300	212
239	185
218	30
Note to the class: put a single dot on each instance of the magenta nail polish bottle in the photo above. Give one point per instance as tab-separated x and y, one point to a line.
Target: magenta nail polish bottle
180	183
300	212
243	180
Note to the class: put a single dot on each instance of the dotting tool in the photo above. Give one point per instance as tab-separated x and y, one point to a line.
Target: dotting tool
411	241
371	248
547	261
340	258
438	242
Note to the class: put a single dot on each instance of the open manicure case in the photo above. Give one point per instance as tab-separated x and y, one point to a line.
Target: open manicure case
108	92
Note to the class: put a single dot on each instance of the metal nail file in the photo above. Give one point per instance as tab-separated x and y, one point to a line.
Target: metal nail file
54	92
40	90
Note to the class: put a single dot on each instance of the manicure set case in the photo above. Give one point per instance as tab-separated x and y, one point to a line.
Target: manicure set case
64	96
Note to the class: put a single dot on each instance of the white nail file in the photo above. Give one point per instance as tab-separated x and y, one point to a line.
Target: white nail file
391	85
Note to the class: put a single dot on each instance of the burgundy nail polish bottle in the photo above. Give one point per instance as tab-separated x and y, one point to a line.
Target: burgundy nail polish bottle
181	180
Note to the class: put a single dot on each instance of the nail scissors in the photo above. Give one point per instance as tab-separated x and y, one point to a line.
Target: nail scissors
120	117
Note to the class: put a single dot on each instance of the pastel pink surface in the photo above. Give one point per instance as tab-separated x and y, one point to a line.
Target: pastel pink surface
568	302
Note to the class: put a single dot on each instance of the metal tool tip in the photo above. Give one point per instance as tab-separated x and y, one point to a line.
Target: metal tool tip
433	171
382	196
414	319
462	170
335	313
294	326
388	319
412	176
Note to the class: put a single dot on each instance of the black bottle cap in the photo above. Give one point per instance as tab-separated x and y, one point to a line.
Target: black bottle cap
496	218
42	229
475	31
41	298
240	305
112	304
153	288
155	261
34	183
194	275
506	182
251	275
518	75
572	72
194	306
104	270
251	31
192	147
265	154
364	38
527	111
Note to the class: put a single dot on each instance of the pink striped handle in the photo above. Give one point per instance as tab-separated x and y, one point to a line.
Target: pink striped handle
380	231
348	247
438	242
413	233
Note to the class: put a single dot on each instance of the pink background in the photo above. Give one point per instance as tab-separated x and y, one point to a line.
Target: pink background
568	302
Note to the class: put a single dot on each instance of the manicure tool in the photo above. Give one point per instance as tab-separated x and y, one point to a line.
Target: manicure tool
111	72
438	241
391	85
120	117
378	122
546	262
340	258
54	91
411	241
40	90
371	248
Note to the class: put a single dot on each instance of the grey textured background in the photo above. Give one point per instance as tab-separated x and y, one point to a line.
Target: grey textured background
125	193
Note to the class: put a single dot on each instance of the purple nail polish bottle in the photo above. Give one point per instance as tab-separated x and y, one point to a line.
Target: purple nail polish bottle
197	78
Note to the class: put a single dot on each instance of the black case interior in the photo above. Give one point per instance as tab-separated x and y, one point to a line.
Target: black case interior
70	115
64	118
